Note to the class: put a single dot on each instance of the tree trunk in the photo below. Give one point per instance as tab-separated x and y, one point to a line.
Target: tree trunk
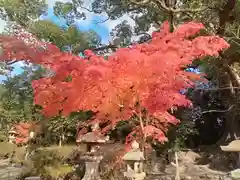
227	79
60	141
143	138
232	130
231	77
177	167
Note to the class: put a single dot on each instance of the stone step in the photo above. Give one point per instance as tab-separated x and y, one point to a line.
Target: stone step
4	162
9	173
33	178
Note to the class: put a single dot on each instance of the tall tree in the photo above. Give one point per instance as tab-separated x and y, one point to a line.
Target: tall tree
27	13
111	88
222	19
219	16
68	38
22	12
17	96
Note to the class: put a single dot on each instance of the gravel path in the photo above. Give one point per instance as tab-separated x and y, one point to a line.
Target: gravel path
8	172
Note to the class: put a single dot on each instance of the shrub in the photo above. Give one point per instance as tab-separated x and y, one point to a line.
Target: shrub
49	163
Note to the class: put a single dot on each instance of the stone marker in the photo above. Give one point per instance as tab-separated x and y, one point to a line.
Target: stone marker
134	159
93	140
234	146
33	178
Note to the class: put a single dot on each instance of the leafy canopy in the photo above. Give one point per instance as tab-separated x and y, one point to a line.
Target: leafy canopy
145	78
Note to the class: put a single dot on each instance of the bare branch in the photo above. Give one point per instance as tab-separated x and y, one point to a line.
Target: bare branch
233	72
144	2
100	22
224	15
173	10
110	46
161	4
113	47
218	111
188	10
89	10
11	62
143	33
217	89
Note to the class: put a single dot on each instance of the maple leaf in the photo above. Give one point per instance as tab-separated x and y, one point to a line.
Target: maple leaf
146	76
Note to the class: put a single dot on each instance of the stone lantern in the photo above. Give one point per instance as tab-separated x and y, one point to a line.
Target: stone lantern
134	159
31	134
12	136
33	178
92	158
234	146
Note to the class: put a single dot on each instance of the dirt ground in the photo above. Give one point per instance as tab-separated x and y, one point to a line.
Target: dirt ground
210	164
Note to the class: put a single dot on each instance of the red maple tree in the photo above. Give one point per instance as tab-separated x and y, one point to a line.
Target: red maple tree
143	81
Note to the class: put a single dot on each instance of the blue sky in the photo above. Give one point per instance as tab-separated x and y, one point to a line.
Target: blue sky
84	25
102	29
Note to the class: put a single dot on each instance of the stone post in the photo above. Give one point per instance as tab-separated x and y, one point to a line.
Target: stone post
234	146
33	178
134	160
92	167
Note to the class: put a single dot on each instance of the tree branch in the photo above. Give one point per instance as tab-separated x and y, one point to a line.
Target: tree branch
218	111
11	62
110	46
234	74
161	4
89	10
103	21
224	15
217	89
144	2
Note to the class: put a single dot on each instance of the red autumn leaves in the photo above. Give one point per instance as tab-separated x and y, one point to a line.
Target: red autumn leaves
150	75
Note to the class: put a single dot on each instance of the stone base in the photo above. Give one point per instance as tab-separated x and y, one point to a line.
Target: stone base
235	174
87	158
33	178
135	176
91	178
200	177
92	166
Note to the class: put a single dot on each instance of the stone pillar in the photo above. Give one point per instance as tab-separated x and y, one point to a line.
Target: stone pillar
92	167
234	146
33	178
134	159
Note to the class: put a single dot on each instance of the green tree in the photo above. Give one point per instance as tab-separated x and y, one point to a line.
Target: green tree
22	11
219	16
66	38
27	12
16	104
63	129
17	96
222	18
